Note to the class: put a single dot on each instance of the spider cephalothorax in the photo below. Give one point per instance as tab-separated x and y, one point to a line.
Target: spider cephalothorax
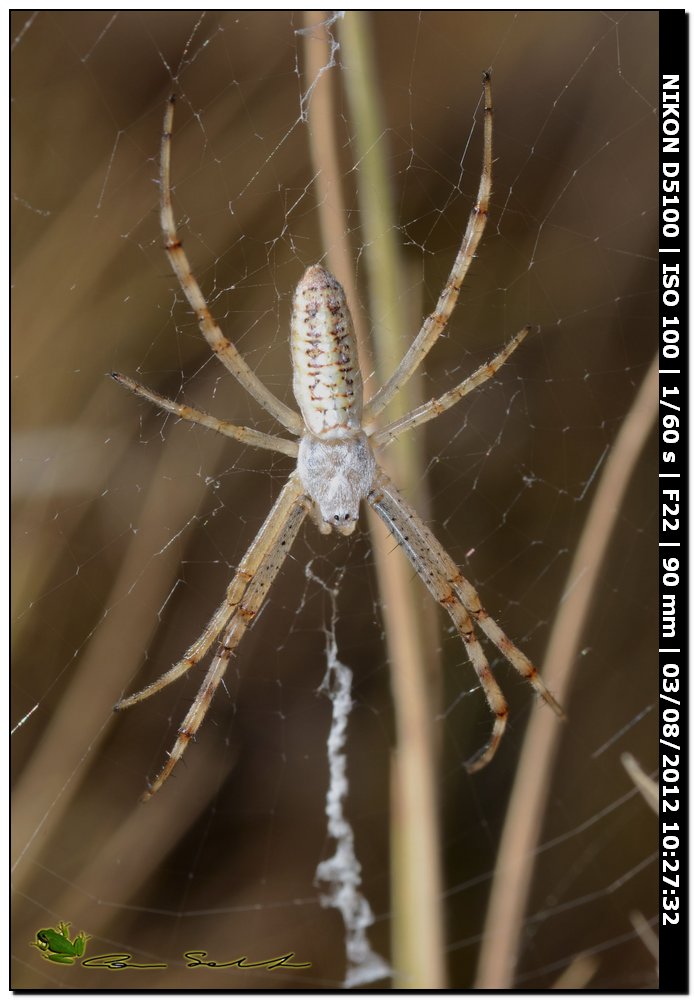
336	452
337	475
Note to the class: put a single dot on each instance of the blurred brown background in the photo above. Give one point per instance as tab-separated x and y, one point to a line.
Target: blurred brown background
128	526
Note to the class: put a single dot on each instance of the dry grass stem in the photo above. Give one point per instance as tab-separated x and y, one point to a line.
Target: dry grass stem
514	867
416	877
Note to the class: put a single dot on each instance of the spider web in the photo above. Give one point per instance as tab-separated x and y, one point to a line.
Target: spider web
129	526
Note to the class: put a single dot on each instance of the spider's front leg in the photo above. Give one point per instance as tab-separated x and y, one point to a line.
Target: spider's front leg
450	588
265	542
245	597
242	618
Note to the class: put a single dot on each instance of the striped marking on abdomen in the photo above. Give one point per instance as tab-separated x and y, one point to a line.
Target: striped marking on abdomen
327	380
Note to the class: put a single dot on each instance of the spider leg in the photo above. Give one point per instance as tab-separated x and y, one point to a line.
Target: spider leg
447	585
266	542
223	348
241	619
435	323
508	649
244	434
433	408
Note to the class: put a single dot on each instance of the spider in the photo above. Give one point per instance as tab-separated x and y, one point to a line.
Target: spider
338	438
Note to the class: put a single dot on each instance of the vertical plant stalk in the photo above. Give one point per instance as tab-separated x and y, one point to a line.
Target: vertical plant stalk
418	948
418	935
319	58
515	861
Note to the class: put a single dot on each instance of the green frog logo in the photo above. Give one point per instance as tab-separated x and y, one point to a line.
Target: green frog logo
56	946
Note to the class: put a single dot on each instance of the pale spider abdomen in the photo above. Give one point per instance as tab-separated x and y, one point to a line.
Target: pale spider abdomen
327	380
